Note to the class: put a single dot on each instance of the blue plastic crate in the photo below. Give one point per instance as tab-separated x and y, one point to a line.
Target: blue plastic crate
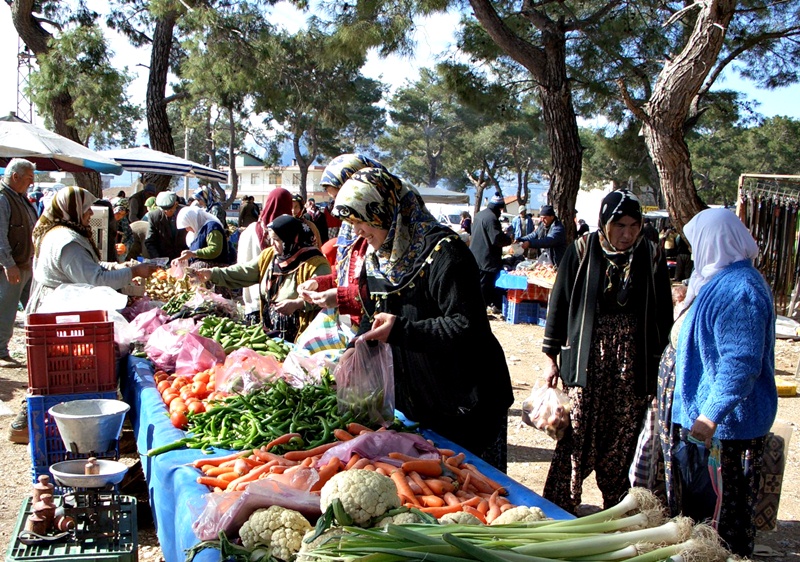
542	312
522	312
46	446
541	321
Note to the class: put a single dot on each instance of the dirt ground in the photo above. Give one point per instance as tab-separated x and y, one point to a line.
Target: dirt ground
529	450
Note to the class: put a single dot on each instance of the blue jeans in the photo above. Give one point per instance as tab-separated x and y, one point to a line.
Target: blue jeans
10	297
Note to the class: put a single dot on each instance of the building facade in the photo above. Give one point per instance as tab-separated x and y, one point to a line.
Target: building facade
257	180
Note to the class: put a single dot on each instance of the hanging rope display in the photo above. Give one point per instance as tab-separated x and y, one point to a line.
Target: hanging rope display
769	207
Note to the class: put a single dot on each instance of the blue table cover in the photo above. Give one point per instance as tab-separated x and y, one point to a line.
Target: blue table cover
175	495
508	281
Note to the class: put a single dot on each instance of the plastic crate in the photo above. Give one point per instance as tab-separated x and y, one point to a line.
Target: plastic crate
532	293
522	312
113	516
46	446
70	352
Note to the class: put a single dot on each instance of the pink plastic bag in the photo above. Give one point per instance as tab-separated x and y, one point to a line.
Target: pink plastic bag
164	344
146	323
547	409
365	383
198	354
227	511
245	370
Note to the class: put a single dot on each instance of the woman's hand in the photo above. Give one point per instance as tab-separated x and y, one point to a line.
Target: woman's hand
703	429
325	299
144	270
202	275
381	327
289	306
308	285
186	255
553	373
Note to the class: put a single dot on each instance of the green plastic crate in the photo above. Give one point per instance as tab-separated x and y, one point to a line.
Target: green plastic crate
121	547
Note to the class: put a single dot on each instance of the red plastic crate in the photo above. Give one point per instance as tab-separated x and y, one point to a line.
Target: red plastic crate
70	352
532	293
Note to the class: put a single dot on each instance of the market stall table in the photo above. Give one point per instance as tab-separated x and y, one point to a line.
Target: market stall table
176	497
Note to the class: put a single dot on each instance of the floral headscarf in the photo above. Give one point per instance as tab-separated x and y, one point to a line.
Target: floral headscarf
298	243
615	205
380	199
66	209
279	202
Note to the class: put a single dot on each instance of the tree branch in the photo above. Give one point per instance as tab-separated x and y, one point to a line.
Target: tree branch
594	18
637	111
174	97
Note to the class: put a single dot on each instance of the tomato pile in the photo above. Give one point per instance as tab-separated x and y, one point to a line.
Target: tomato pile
185	393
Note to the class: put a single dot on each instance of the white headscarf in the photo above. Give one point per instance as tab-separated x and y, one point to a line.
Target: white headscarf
718	238
195	218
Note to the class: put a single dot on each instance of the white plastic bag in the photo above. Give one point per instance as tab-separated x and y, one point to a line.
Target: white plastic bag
547	409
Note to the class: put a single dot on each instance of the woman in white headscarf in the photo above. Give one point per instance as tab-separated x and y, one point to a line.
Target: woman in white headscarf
206	236
724	383
65	251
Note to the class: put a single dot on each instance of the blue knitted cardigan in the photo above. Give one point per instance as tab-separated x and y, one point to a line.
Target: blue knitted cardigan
725	362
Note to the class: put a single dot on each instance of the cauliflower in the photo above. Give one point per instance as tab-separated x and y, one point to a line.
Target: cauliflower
278	528
364	495
459	518
520	514
404	518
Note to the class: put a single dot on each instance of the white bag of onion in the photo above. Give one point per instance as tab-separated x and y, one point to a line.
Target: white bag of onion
547	409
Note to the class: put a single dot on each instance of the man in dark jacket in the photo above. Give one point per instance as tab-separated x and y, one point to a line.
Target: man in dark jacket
248	213
554	239
164	239
487	244
136	206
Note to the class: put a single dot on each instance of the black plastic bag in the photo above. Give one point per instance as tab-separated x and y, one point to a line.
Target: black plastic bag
697	497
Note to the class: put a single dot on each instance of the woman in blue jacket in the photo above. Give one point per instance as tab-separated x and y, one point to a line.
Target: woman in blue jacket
725	364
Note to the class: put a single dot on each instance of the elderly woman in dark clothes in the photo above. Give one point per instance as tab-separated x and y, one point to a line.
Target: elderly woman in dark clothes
608	320
422	295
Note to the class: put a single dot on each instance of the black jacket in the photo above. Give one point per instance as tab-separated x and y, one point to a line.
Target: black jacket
553	240
488	240
574	301
447	362
164	239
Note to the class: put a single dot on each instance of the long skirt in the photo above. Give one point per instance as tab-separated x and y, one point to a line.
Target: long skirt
606	416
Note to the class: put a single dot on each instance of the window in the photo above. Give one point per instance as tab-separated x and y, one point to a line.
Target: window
255	179
274	178
295	179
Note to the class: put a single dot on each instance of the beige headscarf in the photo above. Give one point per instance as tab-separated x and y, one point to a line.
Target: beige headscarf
66	209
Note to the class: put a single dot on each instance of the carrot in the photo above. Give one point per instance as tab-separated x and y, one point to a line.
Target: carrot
250	476
342	434
361	463
279	469
480	482
440	486
402	457
494	507
481	476
502	501
381	470
439	511
218	460
241	467
325	473
474	501
300	455
215	471
354	458
476	513
431	501
506	506
266	456
465	484
424	467
385	466
370	467
421	483
355	428
282	440
212	482
483	506
455	460
228	476
451	499
414	487
447	452
403	490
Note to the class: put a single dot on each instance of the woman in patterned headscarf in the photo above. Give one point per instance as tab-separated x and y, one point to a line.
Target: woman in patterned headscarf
608	320
291	259
422	295
65	251
340	289
255	239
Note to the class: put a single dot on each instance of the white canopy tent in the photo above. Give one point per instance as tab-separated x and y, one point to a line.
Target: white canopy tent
438	195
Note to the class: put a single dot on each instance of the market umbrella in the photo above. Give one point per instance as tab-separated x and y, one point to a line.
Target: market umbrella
148	161
48	150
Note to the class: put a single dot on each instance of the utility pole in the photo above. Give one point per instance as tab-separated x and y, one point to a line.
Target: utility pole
24	65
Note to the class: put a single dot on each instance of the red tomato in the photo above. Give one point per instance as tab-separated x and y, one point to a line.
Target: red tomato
196	407
169	395
160	376
177	405
162	386
186	393
202	376
179	420
199	388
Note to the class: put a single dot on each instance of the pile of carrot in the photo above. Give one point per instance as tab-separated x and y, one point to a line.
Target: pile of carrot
435	486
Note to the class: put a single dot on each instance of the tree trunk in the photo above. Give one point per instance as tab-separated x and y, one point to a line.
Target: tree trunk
36	38
158	126
301	164
548	67
665	113
232	159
